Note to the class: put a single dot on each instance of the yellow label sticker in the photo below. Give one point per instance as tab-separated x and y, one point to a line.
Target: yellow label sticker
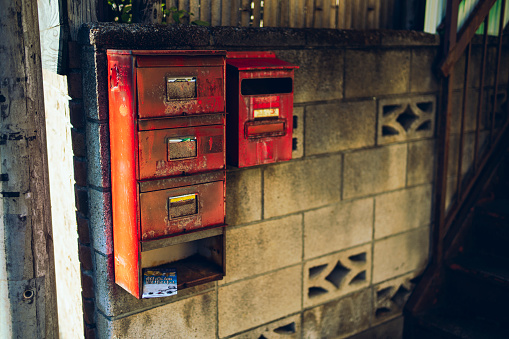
266	112
182	198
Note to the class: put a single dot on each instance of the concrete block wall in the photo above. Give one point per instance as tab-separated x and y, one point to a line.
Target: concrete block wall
323	246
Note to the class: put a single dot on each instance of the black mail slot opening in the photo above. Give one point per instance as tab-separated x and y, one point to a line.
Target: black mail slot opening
266	86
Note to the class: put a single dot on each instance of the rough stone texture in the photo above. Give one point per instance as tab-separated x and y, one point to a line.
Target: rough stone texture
339	318
391	329
254	36
400	254
340	126
95	84
288	328
300	185
374	171
423	76
370	73
338	226
250	303
298	132
112	300
101	221
399	211
244	197
263	247
98	147
390	297
330	277
421	162
409	118
190	318
320	76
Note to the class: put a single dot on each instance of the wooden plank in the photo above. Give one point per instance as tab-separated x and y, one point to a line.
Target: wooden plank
257	13
78	13
52	28
348	14
205	8
297	13
245	14
362	15
377	14
146	11
310	13
234	13
284	13
371	14
194	7
320	14
225	12
270	13
340	14
184	5
215	12
333	14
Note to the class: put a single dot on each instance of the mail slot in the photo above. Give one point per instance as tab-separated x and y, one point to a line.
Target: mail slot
259	100
167	146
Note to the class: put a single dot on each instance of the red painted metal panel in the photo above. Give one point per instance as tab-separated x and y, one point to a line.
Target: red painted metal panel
181	209
259	126
123	179
173	91
195	149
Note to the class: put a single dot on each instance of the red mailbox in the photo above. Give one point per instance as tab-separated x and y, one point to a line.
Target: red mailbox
259	91
167	139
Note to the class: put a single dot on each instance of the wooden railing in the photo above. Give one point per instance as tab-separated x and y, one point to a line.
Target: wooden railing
459	172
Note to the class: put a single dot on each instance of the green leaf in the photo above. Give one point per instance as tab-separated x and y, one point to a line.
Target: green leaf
200	23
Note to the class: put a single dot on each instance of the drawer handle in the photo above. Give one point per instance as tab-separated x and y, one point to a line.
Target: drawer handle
180	148
182	206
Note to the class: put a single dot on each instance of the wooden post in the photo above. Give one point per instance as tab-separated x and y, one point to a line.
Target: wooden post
26	240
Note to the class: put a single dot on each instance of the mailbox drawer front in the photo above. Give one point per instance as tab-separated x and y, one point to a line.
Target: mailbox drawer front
173	91
181	209
170	152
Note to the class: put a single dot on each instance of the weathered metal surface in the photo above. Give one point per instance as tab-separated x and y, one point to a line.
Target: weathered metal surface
123	168
158	130
260	106
162	213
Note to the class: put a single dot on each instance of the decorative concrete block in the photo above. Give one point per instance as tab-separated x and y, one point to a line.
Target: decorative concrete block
410	118
101	222
330	277
244	197
189	318
320	73
399	211
374	171
337	227
298	133
250	303
288	328
400	254
423	77
300	185
376	72
95	83
263	247
390	297
421	162
340	126
112	300
339	318
98	149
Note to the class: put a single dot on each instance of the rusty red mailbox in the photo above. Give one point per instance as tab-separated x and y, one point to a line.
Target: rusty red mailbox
167	141
259	92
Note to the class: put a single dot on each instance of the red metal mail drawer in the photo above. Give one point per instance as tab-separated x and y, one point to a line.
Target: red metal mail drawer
172	91
177	151
177	209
